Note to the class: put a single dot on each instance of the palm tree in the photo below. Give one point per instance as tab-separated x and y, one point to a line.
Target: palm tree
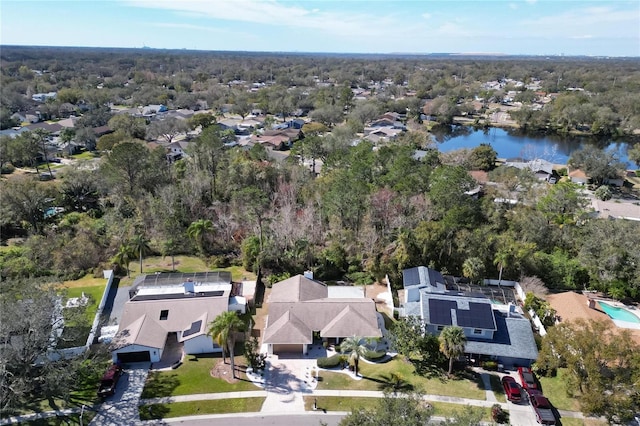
140	245
501	260
197	230
222	329
123	257
169	248
473	268
355	348
452	343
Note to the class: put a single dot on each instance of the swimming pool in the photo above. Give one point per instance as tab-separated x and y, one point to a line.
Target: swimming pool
620	314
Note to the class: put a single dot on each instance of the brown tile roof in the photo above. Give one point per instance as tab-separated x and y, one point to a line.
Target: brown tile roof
577	173
296	289
288	329
343	325
298	306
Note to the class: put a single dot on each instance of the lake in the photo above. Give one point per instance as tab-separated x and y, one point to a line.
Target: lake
511	144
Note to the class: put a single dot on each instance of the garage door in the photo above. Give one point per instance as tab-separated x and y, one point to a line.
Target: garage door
282	348
142	356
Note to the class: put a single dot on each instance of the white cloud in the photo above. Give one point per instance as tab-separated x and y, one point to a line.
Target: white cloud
270	12
597	21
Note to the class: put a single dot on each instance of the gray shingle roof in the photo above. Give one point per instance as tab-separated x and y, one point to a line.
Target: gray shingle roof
514	339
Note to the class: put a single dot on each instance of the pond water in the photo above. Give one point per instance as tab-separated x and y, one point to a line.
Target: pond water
513	144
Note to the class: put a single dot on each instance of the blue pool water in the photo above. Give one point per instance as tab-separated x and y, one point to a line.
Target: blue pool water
620	314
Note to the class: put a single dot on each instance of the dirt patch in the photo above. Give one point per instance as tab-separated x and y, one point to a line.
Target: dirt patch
223	371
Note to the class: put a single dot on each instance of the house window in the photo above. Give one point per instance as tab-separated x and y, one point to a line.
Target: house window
164	314
440	327
477	331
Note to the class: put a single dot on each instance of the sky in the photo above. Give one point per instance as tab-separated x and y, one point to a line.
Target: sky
515	27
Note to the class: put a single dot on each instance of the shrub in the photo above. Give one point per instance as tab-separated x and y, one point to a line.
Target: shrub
330	362
218	261
603	193
490	365
499	415
374	355
7	169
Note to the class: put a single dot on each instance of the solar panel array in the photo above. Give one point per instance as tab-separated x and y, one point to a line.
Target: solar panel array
479	315
170	278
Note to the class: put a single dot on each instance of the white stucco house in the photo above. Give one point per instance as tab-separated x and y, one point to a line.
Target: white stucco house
173	310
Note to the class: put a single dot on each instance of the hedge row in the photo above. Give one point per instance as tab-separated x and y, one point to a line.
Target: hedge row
374	355
330	362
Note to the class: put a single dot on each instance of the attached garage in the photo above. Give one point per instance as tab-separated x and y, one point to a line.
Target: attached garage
288	348
136	353
141	356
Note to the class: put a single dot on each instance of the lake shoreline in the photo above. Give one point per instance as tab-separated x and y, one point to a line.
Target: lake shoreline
629	138
512	143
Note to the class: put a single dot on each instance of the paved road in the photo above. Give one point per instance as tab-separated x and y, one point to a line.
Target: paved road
253	419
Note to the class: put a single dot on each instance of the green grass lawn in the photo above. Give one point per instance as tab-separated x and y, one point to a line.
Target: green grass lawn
72	419
193	377
498	390
375	376
555	389
86	155
182	264
336	403
568	421
194	408
93	288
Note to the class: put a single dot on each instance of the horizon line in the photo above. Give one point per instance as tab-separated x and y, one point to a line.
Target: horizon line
299	52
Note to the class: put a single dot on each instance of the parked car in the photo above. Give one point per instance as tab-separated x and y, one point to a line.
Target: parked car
109	381
543	410
511	389
528	379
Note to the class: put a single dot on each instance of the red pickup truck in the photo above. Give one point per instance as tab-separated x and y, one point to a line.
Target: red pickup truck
543	410
528	379
109	381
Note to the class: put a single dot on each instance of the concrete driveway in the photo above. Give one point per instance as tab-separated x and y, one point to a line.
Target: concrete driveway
122	408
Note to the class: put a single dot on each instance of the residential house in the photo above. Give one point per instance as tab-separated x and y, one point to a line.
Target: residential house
173	310
54	128
26	117
176	150
579	177
303	311
542	169
43	97
496	332
277	141
382	134
152	110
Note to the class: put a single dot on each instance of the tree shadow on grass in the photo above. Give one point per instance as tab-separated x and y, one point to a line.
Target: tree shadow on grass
428	369
160	385
395	383
153	411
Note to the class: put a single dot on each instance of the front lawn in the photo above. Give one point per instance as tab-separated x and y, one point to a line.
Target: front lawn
555	390
378	376
194	377
195	408
496	387
336	403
